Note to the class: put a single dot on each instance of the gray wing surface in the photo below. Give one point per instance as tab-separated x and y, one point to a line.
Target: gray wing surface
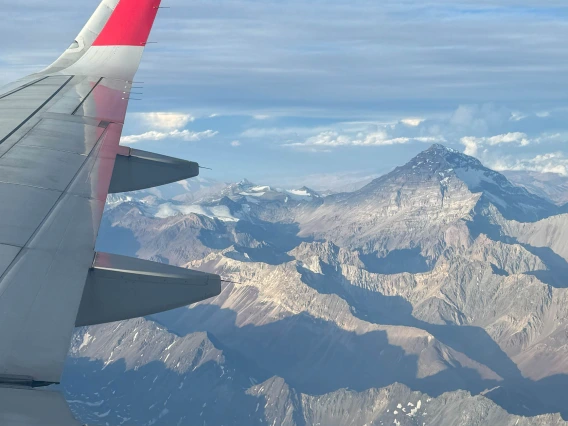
59	157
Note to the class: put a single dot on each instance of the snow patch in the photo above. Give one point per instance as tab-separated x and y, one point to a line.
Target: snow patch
221	213
86	340
102	415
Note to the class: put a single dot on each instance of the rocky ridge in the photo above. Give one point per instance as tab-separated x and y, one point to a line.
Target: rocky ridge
440	281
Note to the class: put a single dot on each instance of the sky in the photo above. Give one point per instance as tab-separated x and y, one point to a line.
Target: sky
328	92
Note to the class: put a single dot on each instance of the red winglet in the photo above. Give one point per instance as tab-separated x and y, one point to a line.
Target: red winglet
129	24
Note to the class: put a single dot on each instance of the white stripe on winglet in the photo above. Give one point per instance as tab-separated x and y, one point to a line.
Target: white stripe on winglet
120	62
86	37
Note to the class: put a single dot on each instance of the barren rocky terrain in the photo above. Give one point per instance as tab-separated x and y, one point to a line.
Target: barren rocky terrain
435	295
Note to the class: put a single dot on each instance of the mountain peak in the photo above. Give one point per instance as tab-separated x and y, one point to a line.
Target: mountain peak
441	159
440	162
450	155
441	148
440	166
309	191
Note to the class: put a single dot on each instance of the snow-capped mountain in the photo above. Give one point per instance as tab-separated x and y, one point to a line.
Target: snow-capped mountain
435	295
445	164
430	204
256	193
228	202
189	190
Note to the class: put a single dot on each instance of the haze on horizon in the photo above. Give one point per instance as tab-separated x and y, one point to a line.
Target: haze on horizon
340	90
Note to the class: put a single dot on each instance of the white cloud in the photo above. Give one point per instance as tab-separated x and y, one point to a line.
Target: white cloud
412	122
554	162
473	144
329	138
261	117
420	48
184	135
236	143
429	139
277	132
167	120
552	137
378	138
517	116
543	114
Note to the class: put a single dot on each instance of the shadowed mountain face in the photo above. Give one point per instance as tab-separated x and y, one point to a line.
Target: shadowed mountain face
434	295
551	186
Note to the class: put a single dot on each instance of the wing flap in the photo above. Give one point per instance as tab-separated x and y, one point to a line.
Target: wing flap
71	99
7	256
18	224
120	288
40	168
58	200
26	407
41	290
18	107
75	138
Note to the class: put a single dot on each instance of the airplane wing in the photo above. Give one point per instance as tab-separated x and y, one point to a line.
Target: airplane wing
59	158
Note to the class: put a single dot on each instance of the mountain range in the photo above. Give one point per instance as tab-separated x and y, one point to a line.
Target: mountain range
434	295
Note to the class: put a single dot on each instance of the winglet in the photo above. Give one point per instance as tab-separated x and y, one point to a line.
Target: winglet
112	42
85	38
130	24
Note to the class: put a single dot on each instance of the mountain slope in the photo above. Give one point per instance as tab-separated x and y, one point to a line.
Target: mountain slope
425	202
440	278
551	186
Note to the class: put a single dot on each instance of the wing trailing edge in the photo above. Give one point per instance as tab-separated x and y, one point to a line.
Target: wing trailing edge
29	407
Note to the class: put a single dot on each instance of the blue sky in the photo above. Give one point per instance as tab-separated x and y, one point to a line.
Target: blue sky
332	90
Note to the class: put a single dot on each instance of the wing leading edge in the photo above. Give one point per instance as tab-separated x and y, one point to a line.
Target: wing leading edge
59	157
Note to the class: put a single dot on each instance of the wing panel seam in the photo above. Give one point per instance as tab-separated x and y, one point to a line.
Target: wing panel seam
36	111
67	118
86	97
48	215
31	83
30	186
21	138
47	148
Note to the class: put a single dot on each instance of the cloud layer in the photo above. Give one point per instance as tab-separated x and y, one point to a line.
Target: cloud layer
184	135
378	138
341	58
473	144
167	120
555	162
369	82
